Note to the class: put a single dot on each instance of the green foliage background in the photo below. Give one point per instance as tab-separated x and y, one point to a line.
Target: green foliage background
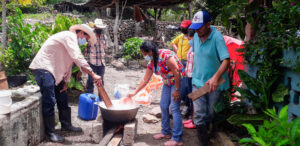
25	41
132	48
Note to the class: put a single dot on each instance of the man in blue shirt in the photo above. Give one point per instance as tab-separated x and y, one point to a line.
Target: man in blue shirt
211	60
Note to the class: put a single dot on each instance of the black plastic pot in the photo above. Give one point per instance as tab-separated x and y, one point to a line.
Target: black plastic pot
14	81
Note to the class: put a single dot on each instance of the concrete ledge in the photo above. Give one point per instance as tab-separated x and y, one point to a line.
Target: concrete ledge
24	125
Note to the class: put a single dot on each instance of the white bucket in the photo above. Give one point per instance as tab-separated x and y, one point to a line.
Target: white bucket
5	101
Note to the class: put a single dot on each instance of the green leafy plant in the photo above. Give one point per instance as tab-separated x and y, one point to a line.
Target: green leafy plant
132	48
22	45
63	23
276	131
235	10
260	92
74	83
25	40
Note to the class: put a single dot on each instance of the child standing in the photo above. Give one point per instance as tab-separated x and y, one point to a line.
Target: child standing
189	70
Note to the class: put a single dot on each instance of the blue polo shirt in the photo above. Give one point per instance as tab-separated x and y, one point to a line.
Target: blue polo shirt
208	57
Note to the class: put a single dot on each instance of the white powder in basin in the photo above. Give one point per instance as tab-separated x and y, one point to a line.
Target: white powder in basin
119	106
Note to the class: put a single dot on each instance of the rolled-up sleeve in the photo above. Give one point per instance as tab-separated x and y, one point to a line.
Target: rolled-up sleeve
73	50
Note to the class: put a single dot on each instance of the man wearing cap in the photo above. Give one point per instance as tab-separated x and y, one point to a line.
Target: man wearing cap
181	46
95	55
211	60
52	69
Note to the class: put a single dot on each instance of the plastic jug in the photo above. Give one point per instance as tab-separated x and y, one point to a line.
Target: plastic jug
87	110
5	101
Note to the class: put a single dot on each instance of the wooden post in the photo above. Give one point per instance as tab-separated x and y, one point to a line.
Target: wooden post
190	10
116	27
3	30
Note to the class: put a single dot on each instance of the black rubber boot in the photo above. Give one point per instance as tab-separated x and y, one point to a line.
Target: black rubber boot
202	134
49	122
65	120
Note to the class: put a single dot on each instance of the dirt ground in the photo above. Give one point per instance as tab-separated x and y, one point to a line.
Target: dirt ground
145	131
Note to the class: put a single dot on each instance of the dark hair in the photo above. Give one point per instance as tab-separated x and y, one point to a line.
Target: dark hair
98	31
184	30
191	32
150	45
78	30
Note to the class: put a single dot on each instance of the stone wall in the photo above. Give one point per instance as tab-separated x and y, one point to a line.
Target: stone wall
24	125
165	31
127	29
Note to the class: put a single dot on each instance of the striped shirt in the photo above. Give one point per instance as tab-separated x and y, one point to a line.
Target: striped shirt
163	69
96	54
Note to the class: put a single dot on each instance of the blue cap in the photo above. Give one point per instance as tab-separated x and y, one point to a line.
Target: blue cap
200	18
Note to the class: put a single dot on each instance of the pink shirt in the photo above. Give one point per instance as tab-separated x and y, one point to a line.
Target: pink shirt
58	54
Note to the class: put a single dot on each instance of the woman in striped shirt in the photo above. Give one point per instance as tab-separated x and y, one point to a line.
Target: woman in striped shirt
167	64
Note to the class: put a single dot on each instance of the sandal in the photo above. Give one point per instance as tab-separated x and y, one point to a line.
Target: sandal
161	136
173	143
187	121
189	125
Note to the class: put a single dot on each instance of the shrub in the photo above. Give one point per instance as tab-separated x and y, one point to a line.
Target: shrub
277	131
24	41
132	48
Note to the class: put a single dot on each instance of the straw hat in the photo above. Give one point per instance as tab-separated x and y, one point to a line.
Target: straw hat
99	23
86	29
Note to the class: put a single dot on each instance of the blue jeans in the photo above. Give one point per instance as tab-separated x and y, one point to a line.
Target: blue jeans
99	70
165	102
204	107
50	92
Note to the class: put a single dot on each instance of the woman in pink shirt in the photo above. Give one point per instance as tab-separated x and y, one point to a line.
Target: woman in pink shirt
52	68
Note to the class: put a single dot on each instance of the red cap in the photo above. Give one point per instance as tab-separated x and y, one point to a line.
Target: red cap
185	23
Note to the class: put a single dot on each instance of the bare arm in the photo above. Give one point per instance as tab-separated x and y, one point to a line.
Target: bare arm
172	64
174	48
213	82
143	83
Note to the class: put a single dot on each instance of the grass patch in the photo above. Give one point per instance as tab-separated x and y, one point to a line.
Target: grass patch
41	16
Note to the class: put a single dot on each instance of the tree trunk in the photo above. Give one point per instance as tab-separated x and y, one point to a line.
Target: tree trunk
116	27
155	14
3	30
159	13
103	13
190	10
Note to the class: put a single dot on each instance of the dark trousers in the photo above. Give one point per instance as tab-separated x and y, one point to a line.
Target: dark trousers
183	86
99	70
50	92
189	90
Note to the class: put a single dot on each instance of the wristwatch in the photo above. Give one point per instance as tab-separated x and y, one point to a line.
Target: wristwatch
177	89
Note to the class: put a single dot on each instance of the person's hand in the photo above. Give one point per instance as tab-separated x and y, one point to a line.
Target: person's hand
130	95
176	95
65	87
97	80
213	84
126	100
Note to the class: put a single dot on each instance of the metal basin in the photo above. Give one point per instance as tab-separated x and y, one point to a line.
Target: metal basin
119	113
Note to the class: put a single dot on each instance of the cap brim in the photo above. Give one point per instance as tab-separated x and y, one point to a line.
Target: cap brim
100	26
196	26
